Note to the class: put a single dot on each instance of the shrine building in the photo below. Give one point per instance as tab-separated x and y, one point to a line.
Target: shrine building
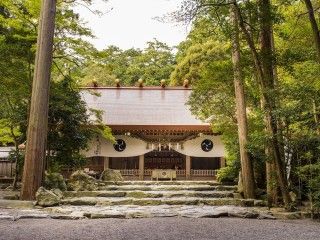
154	129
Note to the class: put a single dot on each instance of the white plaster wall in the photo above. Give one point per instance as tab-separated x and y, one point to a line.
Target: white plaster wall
137	147
193	147
134	147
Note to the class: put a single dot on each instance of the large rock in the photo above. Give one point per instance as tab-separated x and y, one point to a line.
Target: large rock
48	198
80	181
111	175
54	181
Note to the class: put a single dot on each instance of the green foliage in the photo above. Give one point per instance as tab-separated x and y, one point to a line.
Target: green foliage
307	169
53	180
7	134
204	58
18	157
70	127
311	175
227	174
151	64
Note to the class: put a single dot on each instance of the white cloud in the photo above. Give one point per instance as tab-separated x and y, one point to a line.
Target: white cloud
131	23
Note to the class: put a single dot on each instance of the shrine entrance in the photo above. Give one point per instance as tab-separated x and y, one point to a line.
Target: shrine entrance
166	159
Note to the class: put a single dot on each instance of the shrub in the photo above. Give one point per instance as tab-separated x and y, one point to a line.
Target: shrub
227	174
54	181
311	175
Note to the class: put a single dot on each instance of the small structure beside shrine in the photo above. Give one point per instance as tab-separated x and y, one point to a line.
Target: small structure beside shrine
154	129
7	166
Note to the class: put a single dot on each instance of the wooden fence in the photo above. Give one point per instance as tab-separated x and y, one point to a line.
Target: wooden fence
7	169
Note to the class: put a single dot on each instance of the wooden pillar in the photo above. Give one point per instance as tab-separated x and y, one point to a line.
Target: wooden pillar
106	163
141	167
222	162
188	167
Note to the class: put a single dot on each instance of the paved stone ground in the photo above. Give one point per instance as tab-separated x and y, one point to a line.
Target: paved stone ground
160	228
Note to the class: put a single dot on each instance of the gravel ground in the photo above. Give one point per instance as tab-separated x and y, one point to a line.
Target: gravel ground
160	228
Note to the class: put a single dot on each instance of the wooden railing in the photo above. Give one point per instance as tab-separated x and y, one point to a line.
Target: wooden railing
203	172
129	172
7	169
181	172
148	172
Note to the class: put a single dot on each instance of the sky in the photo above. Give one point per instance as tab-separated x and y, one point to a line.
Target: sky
131	23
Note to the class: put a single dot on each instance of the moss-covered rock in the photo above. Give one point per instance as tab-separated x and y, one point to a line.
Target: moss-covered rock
181	201
111	175
85	201
47	198
138	215
260	203
54	181
112	194
222	202
138	194
145	202
287	215
80	181
11	197
217	194
105	215
75	194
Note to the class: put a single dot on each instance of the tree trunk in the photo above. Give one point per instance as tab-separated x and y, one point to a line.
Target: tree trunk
263	65
269	95
246	163
271	176
314	26
38	119
316	36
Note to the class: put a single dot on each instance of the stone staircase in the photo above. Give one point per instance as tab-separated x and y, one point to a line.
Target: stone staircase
141	199
144	199
150	193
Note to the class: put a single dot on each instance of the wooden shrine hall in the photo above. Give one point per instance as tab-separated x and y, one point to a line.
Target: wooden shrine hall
154	129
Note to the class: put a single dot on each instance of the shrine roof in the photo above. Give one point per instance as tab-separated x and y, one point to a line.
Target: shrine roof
146	107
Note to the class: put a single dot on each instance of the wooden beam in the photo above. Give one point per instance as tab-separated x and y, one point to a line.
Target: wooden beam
188	167
141	167
163	128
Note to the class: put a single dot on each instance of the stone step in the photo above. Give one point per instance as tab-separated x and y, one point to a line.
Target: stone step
167	188
146	183
111	201
151	194
132	211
